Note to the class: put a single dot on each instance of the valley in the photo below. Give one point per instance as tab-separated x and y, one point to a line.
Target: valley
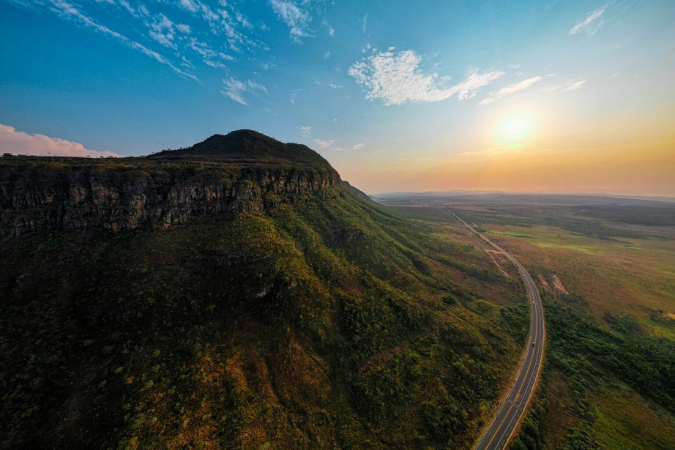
603	268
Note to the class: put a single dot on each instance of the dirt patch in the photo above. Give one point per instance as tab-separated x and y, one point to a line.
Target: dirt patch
543	282
558	284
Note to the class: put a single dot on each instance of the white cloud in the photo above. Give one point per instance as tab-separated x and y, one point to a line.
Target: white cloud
331	31
510	89
20	143
364	23
226	27
397	79
334	86
297	19
574	86
225	21
162	30
306	131
323	144
185	29
70	12
571	86
326	55
235	89
358	146
210	56
294	95
190	5
592	23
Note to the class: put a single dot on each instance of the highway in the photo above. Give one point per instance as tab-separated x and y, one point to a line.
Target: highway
498	433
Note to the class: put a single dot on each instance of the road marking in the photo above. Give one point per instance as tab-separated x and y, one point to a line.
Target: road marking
533	353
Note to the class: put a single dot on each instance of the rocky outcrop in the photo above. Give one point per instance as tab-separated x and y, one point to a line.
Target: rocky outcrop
41	194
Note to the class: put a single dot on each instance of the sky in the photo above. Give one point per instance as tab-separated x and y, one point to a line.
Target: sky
513	95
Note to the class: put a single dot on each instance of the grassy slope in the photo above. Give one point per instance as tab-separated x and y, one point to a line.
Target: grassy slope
611	345
332	323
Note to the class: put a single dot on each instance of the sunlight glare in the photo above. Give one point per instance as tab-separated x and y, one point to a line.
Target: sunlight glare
515	127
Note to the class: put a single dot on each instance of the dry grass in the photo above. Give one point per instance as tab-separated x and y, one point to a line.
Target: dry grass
624	277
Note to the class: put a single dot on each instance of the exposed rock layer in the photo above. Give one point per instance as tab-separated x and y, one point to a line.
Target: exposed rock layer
39	194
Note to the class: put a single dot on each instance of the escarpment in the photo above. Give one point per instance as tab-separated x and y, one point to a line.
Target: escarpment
243	173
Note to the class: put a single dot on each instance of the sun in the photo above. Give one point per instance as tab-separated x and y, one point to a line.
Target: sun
515	127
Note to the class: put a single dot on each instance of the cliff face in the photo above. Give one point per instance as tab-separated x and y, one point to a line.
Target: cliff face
39	194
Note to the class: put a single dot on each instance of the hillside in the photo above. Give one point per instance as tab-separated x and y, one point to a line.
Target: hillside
317	319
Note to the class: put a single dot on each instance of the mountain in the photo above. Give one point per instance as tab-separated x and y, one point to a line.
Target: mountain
243	298
243	171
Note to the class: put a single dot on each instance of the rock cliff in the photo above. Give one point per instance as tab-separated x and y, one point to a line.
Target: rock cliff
40	194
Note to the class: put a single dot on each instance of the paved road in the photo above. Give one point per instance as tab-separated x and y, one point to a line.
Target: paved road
499	432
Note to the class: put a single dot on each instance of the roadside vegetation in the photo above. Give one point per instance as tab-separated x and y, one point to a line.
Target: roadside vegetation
610	354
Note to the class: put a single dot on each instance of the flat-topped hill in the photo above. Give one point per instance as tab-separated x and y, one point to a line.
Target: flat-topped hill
241	172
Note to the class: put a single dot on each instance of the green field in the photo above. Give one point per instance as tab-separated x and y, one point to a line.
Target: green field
609	372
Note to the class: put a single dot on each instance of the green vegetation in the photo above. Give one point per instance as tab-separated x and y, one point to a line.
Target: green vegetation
598	363
331	323
610	354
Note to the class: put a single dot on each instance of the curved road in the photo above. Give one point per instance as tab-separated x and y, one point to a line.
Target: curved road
508	416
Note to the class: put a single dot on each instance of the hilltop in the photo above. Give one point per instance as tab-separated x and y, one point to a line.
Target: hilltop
243	171
239	301
248	146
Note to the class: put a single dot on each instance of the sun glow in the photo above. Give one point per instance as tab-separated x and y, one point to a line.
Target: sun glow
516	126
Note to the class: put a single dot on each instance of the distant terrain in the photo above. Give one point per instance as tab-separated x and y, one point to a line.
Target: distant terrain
606	271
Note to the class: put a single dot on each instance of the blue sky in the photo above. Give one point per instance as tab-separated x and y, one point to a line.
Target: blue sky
387	91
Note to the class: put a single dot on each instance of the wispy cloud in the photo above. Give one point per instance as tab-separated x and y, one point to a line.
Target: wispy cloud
162	30
569	86
331	31
306	131
364	23
294	17
235	89
294	95
591	24
510	89
398	78
210	57
224	22
21	143
323	144
574	86
358	146
72	13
